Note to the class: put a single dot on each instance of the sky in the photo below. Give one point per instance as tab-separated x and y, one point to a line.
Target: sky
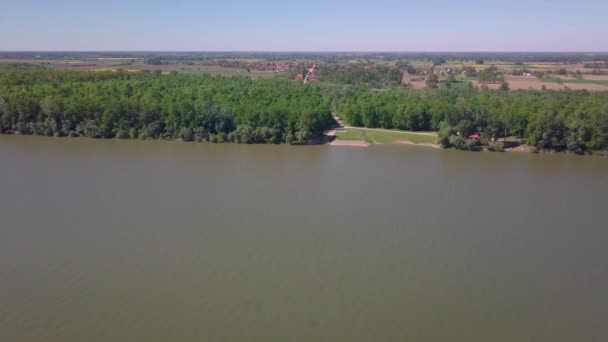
341	25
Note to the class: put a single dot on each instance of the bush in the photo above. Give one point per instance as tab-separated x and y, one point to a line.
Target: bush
462	143
122	134
186	134
496	146
444	134
133	133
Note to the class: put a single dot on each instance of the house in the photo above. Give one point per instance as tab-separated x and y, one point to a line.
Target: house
281	68
299	77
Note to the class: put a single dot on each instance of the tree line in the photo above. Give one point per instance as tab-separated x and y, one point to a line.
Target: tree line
154	106
376	76
205	108
560	120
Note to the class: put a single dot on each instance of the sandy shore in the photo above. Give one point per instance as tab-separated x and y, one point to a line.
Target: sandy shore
359	143
407	142
353	143
520	148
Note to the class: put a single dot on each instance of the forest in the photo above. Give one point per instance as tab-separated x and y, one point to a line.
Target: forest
378	76
150	105
155	106
576	121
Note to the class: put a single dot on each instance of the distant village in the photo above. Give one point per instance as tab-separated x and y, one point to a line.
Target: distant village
308	76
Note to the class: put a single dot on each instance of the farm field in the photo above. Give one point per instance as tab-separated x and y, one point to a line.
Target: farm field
534	83
575	80
521	72
135	65
552	81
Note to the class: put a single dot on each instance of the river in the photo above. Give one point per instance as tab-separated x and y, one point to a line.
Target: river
167	241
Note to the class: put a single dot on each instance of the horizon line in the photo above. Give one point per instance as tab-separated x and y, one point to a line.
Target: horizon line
310	51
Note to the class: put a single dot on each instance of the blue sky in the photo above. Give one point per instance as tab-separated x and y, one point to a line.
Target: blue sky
343	25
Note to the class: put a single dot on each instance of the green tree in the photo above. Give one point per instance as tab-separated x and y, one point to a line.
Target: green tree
432	81
547	131
445	133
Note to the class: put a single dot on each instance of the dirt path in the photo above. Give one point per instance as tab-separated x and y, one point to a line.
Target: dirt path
338	121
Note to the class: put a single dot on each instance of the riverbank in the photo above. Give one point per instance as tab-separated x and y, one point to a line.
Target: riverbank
353	143
410	143
330	139
355	136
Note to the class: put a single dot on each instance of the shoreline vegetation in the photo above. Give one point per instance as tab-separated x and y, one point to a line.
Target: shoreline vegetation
203	108
107	105
344	143
494	120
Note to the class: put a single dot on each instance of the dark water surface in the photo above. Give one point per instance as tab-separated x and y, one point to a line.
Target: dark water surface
165	241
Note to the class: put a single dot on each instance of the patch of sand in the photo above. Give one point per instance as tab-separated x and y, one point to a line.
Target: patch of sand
410	143
521	148
586	86
418	85
331	133
596	77
416	81
352	143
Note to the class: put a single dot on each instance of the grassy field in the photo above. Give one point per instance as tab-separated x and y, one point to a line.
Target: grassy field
574	80
384	137
19	66
226	72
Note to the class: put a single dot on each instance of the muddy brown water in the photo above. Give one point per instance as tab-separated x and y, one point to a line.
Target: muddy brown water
168	241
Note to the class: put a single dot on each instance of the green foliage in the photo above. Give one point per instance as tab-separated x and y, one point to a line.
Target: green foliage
496	146
240	110
432	81
154	106
469	71
438	61
462	143
547	131
491	75
444	134
377	76
572	120
578	80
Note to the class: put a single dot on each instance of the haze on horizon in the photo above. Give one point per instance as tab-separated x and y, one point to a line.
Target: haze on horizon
383	25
